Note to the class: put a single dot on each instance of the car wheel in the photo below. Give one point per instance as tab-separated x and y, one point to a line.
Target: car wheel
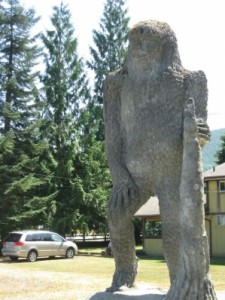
14	258
70	253
32	256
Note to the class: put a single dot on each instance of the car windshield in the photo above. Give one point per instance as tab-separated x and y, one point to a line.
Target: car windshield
13	237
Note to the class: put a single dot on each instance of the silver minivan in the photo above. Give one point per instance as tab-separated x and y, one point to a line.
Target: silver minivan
37	243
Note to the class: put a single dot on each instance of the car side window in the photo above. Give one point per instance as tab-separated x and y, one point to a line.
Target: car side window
46	237
56	238
36	237
29	238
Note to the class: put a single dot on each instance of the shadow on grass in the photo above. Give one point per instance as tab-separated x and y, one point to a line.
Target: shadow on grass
213	261
140	254
22	260
217	261
143	256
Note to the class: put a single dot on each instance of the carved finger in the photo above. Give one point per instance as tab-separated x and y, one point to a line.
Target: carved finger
190	124
126	196
119	201
133	194
189	107
202	124
114	199
111	201
204	130
204	135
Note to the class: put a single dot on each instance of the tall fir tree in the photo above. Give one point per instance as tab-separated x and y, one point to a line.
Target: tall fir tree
18	55
110	44
220	154
22	203
92	168
66	90
107	55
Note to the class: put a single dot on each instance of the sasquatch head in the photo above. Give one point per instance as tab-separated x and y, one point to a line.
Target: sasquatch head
152	44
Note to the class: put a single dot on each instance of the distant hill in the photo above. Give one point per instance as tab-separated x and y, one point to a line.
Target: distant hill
208	153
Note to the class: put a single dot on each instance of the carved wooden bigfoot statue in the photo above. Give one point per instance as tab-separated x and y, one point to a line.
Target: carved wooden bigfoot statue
145	108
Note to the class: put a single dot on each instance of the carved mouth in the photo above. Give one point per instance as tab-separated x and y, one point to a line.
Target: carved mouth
140	55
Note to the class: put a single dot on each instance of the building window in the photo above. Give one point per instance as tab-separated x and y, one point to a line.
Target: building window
221	220
222	186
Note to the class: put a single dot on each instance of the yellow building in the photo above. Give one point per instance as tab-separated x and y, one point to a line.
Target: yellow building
214	181
215	209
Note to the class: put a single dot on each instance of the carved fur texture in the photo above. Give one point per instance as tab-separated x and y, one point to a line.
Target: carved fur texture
144	105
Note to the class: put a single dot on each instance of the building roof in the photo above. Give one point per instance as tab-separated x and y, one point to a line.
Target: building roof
150	208
216	172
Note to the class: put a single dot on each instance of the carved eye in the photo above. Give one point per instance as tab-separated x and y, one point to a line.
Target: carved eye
151	46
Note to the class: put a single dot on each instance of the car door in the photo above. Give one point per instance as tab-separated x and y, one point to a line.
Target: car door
46	239
58	244
42	245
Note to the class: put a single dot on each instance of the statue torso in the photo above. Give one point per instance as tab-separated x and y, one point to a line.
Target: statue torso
151	118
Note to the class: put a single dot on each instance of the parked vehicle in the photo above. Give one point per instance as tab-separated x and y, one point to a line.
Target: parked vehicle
37	243
108	249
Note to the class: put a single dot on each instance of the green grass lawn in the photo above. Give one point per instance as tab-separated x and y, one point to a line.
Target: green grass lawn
92	273
151	271
154	271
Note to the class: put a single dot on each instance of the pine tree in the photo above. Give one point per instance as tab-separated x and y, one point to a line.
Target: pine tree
108	53
22	202
66	89
18	56
220	155
92	168
110	43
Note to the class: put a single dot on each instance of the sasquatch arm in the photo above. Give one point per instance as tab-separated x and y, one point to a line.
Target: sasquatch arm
113	131
196	88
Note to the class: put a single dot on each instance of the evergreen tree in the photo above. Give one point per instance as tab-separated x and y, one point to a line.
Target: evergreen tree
22	202
220	155
110	43
66	88
18	56
92	168
108	53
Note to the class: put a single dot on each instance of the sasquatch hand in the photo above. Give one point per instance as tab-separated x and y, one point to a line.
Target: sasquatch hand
203	132
123	198
196	126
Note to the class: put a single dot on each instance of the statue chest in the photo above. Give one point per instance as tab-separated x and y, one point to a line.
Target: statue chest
150	106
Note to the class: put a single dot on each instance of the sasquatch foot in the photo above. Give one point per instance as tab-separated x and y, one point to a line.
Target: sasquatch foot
121	278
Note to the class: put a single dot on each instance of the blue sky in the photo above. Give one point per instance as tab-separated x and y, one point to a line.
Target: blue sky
198	24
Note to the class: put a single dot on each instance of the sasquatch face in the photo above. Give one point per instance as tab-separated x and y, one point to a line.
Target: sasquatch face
152	48
144	54
140	48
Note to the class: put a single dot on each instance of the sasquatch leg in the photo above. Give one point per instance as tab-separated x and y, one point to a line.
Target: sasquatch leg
123	245
169	200
123	203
